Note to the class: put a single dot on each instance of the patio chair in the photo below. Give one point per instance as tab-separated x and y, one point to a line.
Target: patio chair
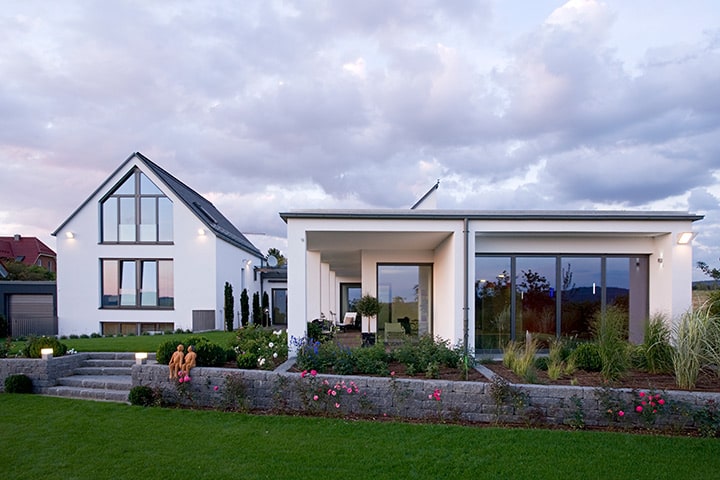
348	320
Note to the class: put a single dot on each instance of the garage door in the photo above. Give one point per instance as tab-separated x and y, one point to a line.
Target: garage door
32	315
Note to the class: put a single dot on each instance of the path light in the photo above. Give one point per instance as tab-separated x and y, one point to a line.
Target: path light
46	353
141	358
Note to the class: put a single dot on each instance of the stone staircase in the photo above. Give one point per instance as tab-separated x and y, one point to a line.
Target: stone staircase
102	376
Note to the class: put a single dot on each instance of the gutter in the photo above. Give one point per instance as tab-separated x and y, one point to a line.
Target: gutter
466	322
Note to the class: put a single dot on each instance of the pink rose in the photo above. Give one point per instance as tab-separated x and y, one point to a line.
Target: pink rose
621	413
638	409
349	390
661	402
216	388
304	372
642	394
337	405
313	372
315	397
392	374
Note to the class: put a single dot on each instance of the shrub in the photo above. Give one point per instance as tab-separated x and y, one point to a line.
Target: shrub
143	396
267	347
655	354
208	354
372	360
420	356
610	331
35	344
18	384
586	357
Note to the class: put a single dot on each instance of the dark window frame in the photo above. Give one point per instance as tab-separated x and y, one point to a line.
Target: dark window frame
138	284
116	194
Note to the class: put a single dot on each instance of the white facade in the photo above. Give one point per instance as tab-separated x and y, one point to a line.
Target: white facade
327	247
202	261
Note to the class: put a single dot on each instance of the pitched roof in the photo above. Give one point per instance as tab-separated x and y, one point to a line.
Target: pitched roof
204	210
24	249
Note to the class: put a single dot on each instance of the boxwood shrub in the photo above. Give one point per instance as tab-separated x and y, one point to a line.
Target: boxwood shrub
35	344
18	383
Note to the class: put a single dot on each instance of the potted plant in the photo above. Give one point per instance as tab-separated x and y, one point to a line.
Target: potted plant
368	306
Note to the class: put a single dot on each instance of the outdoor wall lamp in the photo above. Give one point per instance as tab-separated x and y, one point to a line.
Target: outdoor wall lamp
686	237
201	231
70	234
140	358
46	353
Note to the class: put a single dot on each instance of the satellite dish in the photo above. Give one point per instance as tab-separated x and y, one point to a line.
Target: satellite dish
272	260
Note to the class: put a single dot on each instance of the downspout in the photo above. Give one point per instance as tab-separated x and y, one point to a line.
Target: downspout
466	323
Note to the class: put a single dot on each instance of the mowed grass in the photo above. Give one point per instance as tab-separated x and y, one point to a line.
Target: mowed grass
44	437
141	343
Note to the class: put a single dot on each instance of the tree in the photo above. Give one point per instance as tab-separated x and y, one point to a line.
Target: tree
266	309
256	311
18	271
229	307
274	252
713	273
244	308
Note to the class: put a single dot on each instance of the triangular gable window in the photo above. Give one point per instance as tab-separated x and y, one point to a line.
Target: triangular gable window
137	211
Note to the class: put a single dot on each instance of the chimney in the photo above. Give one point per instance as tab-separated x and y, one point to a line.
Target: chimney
17	237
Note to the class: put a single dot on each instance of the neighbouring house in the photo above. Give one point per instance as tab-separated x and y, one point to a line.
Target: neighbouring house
27	250
481	278
30	307
146	253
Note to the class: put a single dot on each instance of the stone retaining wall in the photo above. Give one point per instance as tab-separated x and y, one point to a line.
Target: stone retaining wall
475	402
43	373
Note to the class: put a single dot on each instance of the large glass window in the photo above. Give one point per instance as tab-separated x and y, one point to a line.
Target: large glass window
492	302
137	211
554	295
137	284
405	293
580	294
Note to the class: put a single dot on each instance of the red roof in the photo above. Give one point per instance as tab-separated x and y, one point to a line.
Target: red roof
25	249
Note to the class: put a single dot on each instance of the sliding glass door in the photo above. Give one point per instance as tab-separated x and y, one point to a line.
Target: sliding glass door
405	293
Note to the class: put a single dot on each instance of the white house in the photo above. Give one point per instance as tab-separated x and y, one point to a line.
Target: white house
144	253
483	277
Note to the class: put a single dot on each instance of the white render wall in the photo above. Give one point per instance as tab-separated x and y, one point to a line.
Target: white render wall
199	262
669	282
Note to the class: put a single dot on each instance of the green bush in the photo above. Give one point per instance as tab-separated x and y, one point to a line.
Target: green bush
372	360
208	354
541	363
267	347
418	357
18	384
586	357
143	396
35	344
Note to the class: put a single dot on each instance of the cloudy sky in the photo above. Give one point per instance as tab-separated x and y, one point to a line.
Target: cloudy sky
266	106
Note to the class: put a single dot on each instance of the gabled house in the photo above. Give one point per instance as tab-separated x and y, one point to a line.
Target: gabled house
146	253
29	251
481	278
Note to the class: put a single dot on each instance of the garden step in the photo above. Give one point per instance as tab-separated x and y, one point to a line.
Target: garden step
88	393
102	382
95	362
103	371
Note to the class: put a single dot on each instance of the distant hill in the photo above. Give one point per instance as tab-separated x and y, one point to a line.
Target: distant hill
706	285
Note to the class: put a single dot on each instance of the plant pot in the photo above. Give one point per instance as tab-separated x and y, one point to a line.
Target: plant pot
368	339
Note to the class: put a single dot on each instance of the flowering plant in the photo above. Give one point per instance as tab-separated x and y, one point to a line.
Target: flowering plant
257	347
324	395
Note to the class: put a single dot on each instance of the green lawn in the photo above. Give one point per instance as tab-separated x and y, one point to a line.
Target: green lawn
45	437
142	343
